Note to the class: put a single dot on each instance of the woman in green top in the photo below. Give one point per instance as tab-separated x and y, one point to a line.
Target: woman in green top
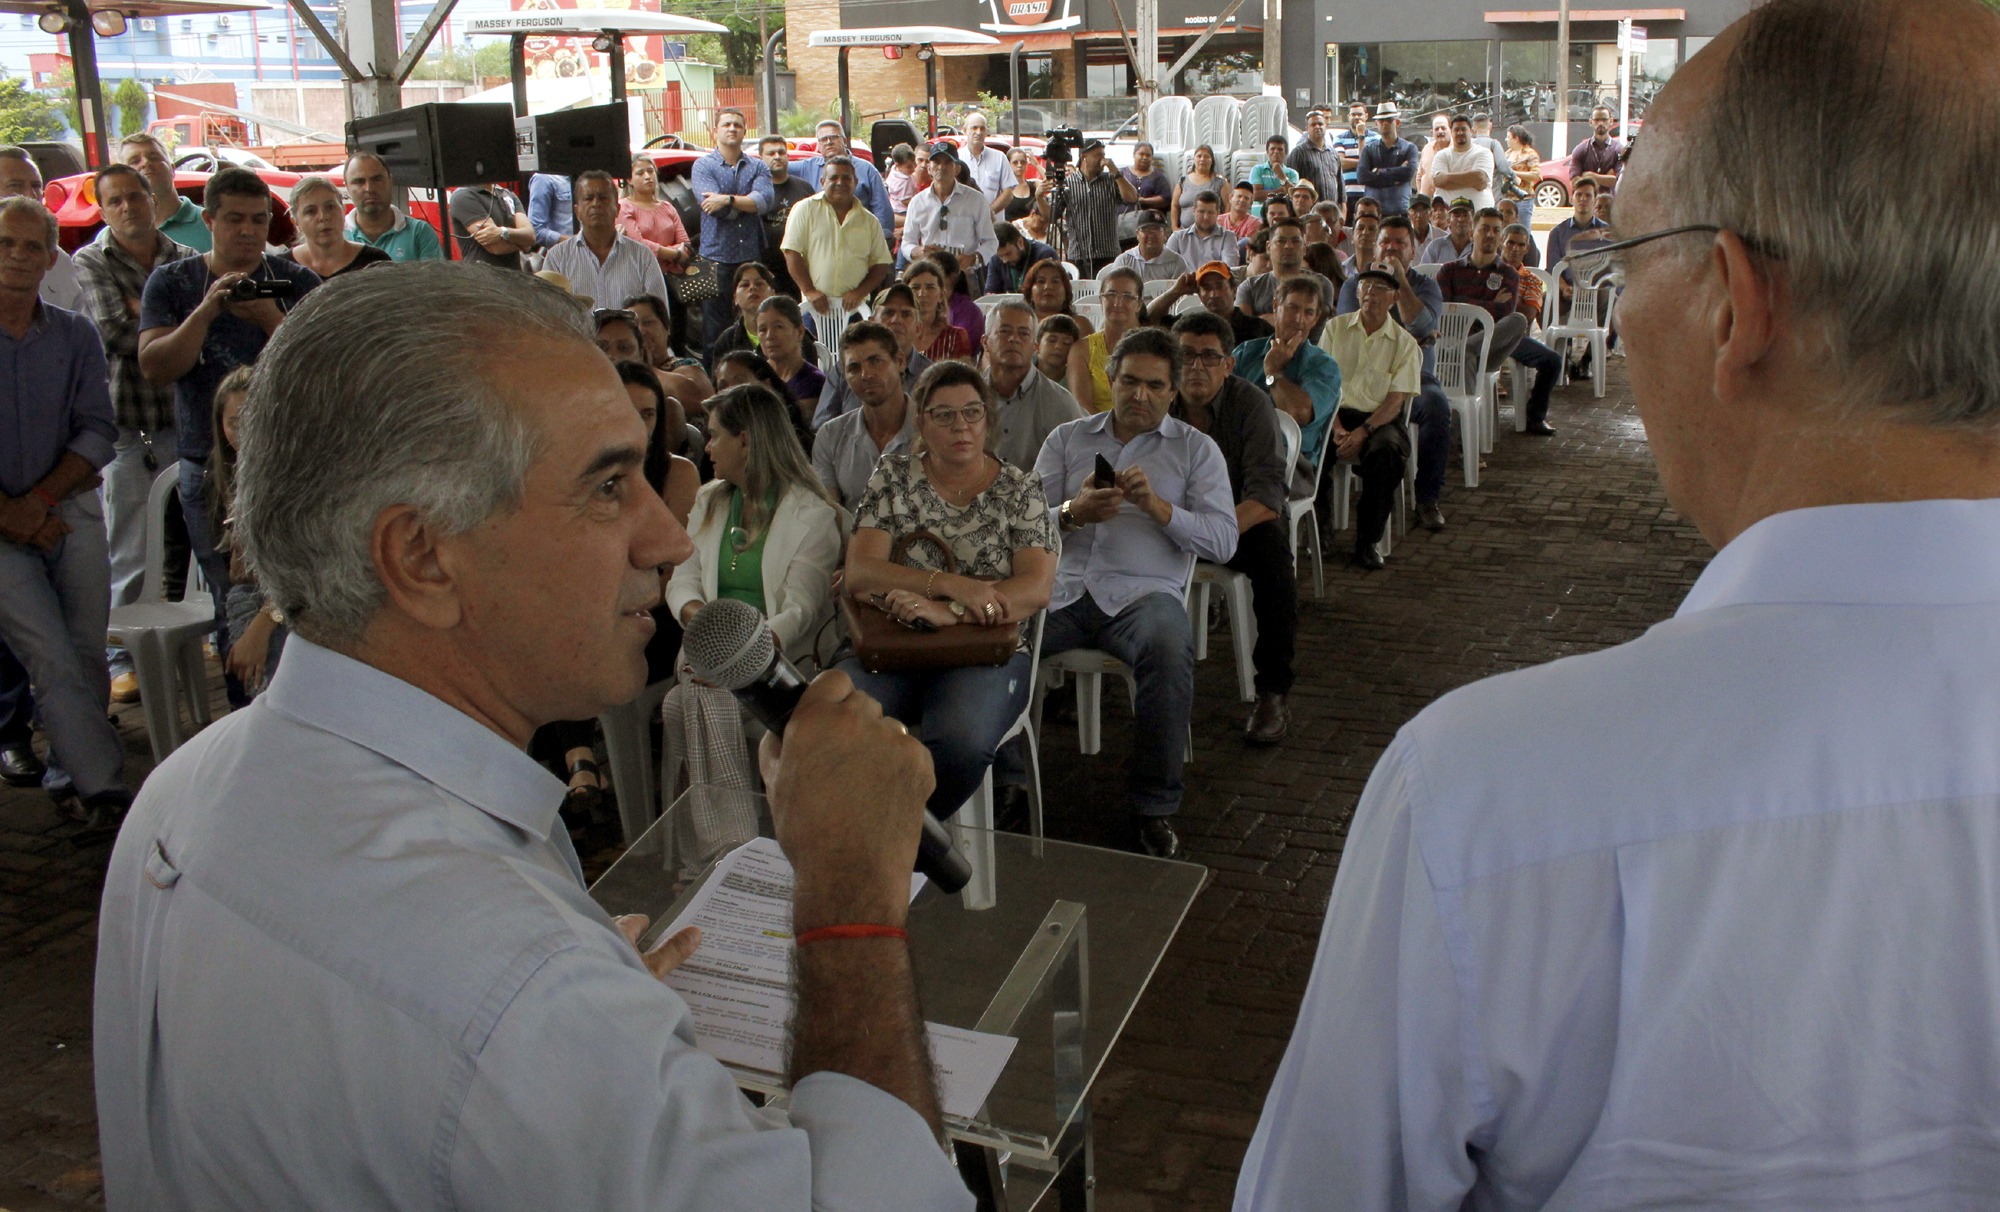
764	530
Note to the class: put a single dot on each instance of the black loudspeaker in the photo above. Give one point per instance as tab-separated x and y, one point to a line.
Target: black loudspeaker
886	134
574	141
441	145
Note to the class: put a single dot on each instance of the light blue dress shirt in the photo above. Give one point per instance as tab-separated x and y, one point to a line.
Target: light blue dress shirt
346	960
55	398
1124	558
1706	920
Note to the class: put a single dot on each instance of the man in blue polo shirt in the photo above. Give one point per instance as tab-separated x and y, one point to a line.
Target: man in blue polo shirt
1297	374
869	188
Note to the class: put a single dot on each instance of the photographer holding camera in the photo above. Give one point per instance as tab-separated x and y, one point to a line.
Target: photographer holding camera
1084	202
202	317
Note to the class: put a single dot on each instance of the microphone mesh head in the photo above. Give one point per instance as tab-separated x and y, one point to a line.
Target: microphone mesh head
729	644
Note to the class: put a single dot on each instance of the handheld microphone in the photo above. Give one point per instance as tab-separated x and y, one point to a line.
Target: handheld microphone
731	646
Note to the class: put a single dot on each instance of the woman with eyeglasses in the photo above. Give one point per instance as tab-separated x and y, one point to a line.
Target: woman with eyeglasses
997	523
1120	297
937	336
1027	187
1046	287
764	530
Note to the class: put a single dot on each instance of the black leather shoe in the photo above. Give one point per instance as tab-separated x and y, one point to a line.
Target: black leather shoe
1158	839
19	767
1270	720
1429	516
1540	429
1010	808
1368	558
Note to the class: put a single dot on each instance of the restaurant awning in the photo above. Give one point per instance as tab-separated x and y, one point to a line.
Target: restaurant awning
1551	16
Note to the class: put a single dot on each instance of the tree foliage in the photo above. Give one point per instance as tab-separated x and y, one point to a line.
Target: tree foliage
741	51
27	115
131	99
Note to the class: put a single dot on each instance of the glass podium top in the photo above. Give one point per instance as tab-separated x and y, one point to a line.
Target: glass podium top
1066	942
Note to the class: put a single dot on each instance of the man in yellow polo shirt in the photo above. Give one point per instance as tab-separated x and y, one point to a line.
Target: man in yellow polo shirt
833	245
1380	368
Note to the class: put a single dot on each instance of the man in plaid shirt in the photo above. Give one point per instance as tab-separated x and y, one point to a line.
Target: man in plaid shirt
112	270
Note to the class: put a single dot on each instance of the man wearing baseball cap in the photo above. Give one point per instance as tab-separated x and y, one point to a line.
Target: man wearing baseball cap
1149	258
1388	162
1216	287
949	215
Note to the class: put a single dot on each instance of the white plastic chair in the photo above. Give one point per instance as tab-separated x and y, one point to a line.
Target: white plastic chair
834	321
1148	291
628	751
1170	124
1187	305
1088	666
1461	372
1344	481
1589	318
1091	311
971	826
1301	508
165	637
1218	119
1083	288
1236	599
1259	119
1075	274
988	303
1428	269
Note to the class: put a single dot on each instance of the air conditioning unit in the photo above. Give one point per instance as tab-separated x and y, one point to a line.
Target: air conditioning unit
222	22
148	25
187	25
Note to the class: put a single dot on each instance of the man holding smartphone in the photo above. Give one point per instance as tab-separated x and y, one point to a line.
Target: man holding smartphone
195	326
1137	493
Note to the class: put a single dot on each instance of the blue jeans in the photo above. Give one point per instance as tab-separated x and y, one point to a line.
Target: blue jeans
1431	413
54	607
959	714
1151	635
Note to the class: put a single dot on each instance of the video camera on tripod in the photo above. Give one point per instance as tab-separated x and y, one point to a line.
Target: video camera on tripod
1061	141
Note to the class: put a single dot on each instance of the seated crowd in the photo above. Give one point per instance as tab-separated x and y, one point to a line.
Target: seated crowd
1164	371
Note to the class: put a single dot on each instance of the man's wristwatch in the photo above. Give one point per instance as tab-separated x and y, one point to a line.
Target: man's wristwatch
1065	520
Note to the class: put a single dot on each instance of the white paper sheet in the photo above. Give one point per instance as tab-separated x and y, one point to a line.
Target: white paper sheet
738	983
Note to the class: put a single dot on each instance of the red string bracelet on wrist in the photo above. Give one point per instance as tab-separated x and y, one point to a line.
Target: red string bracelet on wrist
824	933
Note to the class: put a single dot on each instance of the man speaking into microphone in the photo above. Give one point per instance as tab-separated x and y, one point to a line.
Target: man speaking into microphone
346	956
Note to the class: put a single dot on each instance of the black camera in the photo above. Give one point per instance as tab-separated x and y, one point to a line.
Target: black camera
260	288
1061	141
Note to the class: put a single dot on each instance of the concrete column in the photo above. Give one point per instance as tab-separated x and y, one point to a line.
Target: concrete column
1274	47
374	43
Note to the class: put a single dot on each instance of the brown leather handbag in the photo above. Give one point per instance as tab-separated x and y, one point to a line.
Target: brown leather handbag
887	646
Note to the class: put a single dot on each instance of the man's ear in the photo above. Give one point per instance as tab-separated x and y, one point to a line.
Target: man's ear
416	575
1745	323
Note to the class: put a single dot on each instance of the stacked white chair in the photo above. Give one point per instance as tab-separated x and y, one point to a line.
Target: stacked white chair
1082	288
1461	372
164	637
1218	123
1258	119
1170	129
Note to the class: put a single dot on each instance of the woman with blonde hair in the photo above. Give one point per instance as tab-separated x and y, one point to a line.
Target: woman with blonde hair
764	529
994	518
319	211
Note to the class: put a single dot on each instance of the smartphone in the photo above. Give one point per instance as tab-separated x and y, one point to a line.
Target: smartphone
1104	476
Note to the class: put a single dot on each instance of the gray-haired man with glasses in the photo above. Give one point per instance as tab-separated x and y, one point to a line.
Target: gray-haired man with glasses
1728	944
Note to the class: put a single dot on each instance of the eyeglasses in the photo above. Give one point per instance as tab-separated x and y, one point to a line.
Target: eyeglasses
1207	357
1612	268
605	315
1125	295
952	418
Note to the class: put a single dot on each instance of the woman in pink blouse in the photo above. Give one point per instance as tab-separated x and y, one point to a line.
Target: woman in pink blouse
651	219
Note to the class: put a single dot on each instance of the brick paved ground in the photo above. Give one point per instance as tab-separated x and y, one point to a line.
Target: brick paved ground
1568	546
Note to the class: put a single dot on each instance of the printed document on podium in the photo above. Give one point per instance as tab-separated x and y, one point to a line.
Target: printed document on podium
738	983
